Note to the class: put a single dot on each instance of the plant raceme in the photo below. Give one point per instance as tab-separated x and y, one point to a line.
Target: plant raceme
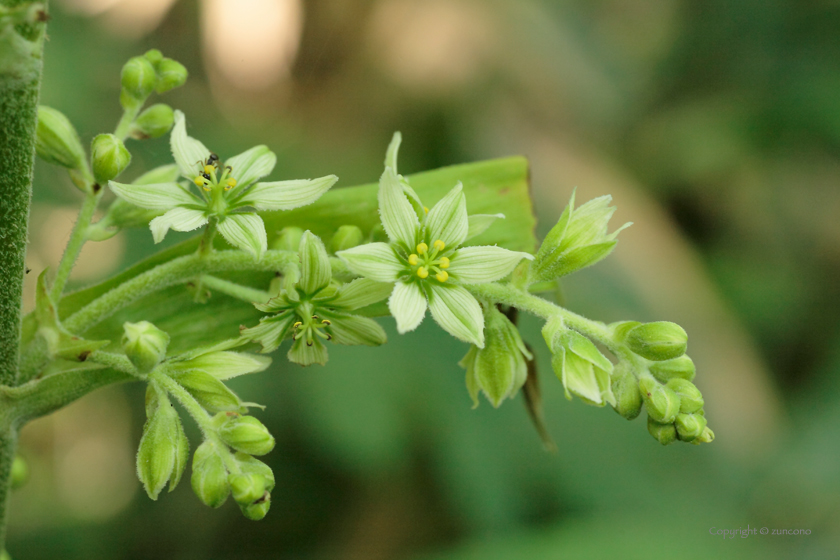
428	261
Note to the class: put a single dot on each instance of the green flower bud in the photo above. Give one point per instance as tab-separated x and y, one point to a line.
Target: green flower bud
663	433
209	476
315	268
250	465
625	387
170	75
707	436
579	239
155	121
56	141
144	344
138	79
289	239
154	56
246	488
20	472
662	403
691	400
500	368
109	157
346	237
658	341
246	434
258	509
582	369
690	426
682	367
163	449
620	330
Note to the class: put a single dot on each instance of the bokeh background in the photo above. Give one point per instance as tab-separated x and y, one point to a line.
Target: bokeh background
715	125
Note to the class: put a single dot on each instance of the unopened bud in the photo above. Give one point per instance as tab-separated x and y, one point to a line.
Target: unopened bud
154	122
170	75
250	465
682	367
346	237
663	433
109	157
707	436
161	452
288	240
625	388
144	344
662	403
691	400
56	141
246	488
246	434
658	341
258	509
138	79
20	472
154	56
690	426
209	476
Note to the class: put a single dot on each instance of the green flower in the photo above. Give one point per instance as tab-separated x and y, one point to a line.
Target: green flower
227	192
312	310
425	259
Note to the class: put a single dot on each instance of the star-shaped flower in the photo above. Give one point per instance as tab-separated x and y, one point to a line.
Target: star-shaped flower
228	193
312	310
425	259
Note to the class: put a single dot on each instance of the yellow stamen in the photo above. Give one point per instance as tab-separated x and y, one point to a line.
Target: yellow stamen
426	209
208	169
422	272
199	181
230	183
444	262
412	259
422	248
296	325
442	276
439	245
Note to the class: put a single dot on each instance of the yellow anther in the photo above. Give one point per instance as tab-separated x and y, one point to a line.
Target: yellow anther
412	259
422	248
426	209
444	262
296	325
231	182
422	272
439	245
208	169
442	276
199	181
326	322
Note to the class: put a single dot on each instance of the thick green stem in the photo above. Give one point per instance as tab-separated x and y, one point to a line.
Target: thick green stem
245	293
21	53
124	126
74	246
206	246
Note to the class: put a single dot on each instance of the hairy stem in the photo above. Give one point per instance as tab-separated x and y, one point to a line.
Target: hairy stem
8	445
245	293
74	246
124	126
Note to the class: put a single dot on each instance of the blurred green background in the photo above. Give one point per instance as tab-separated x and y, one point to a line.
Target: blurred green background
715	125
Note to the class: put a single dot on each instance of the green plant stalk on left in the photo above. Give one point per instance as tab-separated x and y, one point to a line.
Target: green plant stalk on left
21	52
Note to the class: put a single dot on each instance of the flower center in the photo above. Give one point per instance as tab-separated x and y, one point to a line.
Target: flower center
311	327
425	262
208	178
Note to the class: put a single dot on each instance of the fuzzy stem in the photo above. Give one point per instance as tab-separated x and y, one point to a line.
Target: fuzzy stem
127	119
245	293
74	246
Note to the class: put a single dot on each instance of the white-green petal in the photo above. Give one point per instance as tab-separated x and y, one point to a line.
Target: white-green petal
478	223
354	330
376	261
315	270
393	150
408	306
398	217
271	331
251	165
157	196
360	293
225	365
285	195
179	219
457	312
447	220
477	265
301	353
189	153
163	174
245	231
